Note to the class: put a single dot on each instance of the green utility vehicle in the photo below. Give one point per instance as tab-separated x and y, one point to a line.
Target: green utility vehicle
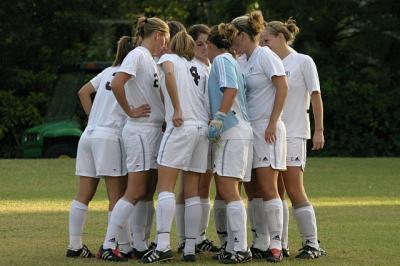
58	136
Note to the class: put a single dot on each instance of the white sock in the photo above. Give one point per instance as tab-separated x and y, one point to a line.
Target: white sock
124	238
192	223
205	219
307	224
220	220
261	240
274	215
230	239
236	216
138	226
77	218
165	215
180	222
149	219
285	232
119	218
250	217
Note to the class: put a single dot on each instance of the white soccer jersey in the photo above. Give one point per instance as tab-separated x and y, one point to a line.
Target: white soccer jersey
105	112
303	80
143	87
190	95
203	71
258	71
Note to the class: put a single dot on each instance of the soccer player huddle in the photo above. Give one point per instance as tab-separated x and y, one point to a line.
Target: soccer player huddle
228	102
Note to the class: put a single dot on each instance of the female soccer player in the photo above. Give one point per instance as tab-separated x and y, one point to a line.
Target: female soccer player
141	224
303	85
199	33
100	151
184	147
137	84
231	132
267	90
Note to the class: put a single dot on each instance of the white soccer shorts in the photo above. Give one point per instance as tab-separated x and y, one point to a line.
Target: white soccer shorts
233	158
296	152
266	154
100	153
185	147
141	144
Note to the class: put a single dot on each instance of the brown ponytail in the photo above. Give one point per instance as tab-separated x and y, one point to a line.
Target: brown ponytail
125	45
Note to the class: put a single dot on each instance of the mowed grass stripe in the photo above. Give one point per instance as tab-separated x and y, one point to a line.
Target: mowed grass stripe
21	206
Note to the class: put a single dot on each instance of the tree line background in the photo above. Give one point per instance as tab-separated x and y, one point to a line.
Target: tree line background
355	45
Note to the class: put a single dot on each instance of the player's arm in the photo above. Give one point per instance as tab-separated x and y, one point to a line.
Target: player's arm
117	86
227	100
170	82
84	96
216	124
281	85
318	112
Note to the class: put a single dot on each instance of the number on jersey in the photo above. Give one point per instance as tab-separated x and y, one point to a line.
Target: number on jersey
155	85
108	87
195	75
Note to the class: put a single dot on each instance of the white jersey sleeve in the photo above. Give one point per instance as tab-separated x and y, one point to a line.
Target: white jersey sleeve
97	80
131	62
271	64
310	75
166	57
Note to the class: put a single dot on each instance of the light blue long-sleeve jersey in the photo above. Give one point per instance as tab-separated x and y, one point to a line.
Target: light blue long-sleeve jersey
225	73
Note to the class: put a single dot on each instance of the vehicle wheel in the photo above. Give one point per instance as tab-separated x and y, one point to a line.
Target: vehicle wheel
61	150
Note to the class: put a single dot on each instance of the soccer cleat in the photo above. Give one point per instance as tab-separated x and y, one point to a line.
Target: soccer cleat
285	252
258	253
83	252
126	255
207	245
110	255
236	257
220	254
189	257
308	252
181	247
152	246
138	254
274	255
157	256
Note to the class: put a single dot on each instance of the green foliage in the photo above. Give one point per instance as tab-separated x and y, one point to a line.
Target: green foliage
15	114
354	44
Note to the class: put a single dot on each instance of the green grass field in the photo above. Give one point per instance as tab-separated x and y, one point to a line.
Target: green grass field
357	203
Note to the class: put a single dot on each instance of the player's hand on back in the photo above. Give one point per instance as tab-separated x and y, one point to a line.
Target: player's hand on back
141	111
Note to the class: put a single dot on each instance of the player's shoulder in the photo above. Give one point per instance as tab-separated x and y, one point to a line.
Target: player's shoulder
302	58
225	60
137	52
169	57
265	53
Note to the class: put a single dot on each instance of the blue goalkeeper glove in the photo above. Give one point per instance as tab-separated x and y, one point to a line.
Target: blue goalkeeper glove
215	127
